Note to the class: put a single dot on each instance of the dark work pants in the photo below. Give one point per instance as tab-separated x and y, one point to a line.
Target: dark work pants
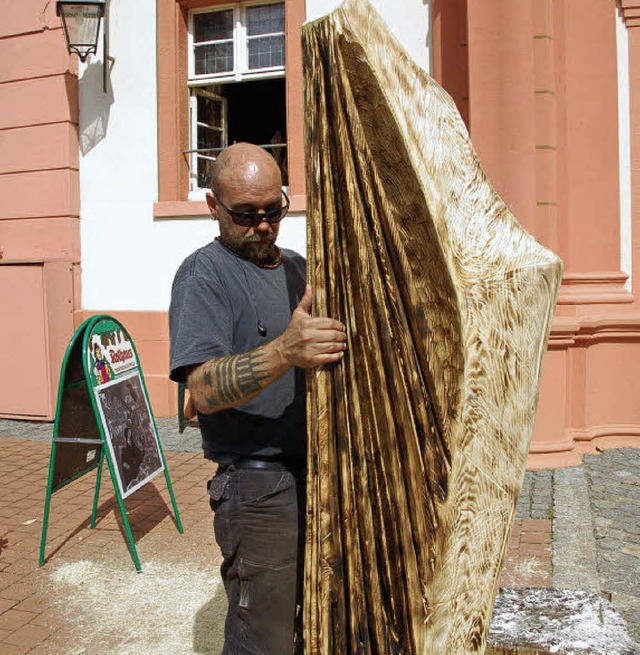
259	526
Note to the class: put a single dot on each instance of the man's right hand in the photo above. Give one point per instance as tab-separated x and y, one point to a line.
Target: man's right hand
232	380
311	341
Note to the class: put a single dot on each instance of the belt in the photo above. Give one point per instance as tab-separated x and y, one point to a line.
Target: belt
263	464
257	463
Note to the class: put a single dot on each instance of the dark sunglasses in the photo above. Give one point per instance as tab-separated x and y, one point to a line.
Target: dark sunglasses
253	219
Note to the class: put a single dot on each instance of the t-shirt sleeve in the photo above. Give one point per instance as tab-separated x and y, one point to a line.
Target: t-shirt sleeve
200	321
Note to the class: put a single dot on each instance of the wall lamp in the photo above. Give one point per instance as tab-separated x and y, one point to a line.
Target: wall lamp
81	22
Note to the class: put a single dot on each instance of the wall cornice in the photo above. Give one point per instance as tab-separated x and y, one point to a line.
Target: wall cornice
605	287
568	331
630	12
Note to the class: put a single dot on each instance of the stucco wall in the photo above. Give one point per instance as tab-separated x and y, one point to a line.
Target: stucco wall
39	206
128	257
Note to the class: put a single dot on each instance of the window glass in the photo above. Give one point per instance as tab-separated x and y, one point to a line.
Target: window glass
213	26
265	19
214	58
209	111
205	165
266	51
265	32
210	139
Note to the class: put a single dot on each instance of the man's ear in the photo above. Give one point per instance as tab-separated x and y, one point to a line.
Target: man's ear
212	204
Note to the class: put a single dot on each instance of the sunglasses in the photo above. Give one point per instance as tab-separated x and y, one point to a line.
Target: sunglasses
253	219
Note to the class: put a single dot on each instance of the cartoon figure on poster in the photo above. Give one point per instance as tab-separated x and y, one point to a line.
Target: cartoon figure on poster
111	354
101	367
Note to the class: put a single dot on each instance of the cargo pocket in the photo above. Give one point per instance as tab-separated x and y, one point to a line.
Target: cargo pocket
267	606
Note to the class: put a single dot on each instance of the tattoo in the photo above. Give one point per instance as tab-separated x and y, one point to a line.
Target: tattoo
229	380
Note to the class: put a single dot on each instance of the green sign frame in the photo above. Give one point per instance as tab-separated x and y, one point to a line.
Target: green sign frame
103	412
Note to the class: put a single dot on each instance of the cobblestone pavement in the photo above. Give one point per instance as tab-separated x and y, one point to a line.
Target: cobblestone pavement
170	438
595	512
614	489
576	528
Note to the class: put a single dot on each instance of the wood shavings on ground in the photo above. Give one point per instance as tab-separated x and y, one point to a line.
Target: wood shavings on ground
165	609
557	621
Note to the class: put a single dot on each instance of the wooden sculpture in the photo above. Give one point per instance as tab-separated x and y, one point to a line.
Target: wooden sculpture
418	438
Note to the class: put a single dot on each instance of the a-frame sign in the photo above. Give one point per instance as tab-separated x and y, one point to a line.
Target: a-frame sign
103	411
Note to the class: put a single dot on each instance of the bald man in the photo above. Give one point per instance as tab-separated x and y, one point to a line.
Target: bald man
241	334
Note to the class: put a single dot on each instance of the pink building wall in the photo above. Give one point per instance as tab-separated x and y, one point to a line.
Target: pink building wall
39	206
536	81
542	100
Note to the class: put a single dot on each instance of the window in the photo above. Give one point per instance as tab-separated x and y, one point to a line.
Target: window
208	134
176	91
236	84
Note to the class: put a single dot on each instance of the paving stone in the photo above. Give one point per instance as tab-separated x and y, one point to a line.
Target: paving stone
35	603
12	649
523	509
6	604
616	512
28	635
13	619
540	494
573	533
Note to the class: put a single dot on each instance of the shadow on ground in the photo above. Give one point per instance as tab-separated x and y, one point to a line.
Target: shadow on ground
208	625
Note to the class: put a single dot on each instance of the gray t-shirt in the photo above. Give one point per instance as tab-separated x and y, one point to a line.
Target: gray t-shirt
222	304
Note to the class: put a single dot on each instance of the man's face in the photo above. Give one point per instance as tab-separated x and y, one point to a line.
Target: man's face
249	186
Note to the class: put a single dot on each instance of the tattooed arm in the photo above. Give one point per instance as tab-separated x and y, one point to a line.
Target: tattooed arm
229	381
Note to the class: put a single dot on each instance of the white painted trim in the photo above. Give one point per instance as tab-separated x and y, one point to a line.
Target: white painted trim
241	71
624	148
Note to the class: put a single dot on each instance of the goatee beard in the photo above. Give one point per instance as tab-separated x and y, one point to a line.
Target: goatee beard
264	255
260	249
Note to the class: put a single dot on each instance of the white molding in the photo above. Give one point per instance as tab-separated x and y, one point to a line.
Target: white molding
624	148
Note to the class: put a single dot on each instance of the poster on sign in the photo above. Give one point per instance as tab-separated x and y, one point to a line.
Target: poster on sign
123	407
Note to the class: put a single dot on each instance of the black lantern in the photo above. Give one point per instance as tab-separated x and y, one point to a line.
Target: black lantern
81	22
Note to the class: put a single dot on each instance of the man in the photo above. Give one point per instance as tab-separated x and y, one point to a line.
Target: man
240	323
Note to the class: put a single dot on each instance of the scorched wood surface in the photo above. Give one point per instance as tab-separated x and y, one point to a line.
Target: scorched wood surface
418	438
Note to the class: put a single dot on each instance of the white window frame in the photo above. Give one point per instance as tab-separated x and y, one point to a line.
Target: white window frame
240	73
193	135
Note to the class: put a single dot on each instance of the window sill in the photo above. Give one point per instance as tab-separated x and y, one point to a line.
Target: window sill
298	203
198	208
180	209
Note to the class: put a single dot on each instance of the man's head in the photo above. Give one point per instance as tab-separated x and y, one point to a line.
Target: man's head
245	178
